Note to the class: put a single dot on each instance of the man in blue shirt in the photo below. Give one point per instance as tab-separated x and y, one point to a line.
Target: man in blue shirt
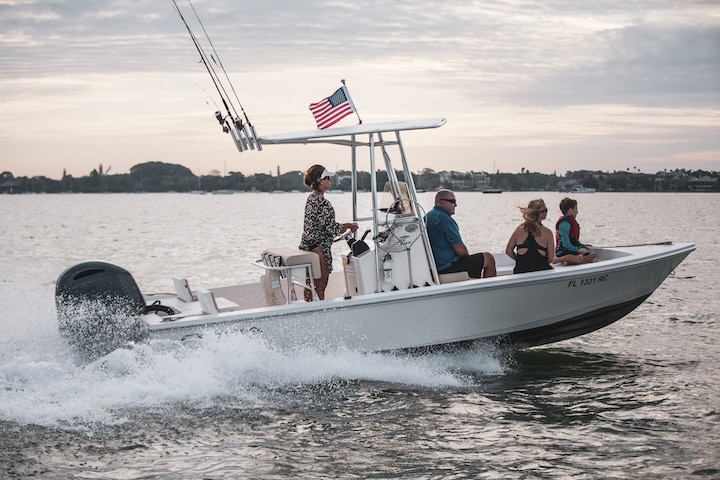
451	254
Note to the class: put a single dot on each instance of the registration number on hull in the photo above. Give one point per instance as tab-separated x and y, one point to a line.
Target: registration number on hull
584	282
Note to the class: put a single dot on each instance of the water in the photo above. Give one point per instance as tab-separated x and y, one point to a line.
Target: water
638	399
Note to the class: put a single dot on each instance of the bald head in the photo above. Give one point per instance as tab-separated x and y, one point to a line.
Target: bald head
445	199
443	194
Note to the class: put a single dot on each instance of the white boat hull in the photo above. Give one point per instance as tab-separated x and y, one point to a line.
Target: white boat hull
520	310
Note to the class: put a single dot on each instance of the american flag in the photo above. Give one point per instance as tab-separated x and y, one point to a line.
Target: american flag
332	109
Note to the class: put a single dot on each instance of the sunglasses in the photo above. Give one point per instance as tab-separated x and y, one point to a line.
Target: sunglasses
451	200
544	210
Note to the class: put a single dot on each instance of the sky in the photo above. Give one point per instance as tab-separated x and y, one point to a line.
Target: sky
542	85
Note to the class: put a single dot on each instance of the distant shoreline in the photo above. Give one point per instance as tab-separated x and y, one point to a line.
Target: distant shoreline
155	177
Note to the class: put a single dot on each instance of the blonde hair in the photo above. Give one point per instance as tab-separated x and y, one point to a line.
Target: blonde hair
531	215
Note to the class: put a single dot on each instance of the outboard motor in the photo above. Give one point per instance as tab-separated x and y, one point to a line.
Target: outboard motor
97	307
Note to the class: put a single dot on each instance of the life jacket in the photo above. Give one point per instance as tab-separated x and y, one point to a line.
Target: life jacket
574	231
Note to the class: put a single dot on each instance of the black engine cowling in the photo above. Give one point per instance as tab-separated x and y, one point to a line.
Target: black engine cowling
97	306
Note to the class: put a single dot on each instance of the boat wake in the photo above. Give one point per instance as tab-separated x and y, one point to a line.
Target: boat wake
41	383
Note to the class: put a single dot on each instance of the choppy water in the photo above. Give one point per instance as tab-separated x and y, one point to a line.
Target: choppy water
639	399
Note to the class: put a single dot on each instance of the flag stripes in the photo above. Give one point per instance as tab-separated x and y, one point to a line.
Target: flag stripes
332	109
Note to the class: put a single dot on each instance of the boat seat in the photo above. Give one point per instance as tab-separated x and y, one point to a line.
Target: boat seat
183	289
453	277
211	304
308	265
293	256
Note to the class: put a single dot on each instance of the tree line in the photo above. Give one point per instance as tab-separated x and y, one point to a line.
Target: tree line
167	177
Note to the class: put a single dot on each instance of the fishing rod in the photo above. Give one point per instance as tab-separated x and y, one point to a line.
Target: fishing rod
208	95
203	57
218	62
248	128
226	126
242	136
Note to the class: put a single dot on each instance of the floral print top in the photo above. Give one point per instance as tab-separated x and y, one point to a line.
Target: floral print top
320	227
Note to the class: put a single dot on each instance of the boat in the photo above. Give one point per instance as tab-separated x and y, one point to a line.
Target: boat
490	188
369	306
386	297
581	189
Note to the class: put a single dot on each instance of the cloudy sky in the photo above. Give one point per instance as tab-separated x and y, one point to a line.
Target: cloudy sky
545	85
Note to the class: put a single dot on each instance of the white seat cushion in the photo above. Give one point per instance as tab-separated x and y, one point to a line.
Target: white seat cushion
293	256
454	277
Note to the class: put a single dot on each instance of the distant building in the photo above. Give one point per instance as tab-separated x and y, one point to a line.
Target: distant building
464	180
703	184
673	181
8	184
11	186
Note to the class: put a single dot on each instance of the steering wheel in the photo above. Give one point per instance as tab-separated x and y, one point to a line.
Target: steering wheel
400	207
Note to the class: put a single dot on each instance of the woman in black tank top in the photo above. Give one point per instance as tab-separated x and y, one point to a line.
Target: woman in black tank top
532	245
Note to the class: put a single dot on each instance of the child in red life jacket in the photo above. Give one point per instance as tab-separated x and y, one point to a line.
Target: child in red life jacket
570	250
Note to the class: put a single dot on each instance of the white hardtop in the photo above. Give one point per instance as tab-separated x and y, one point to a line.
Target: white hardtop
329	135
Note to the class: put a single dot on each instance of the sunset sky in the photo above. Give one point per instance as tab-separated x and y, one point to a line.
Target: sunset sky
548	86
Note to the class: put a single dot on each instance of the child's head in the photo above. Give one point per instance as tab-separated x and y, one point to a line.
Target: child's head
566	204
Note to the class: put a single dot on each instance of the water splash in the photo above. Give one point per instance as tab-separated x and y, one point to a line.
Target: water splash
41	383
